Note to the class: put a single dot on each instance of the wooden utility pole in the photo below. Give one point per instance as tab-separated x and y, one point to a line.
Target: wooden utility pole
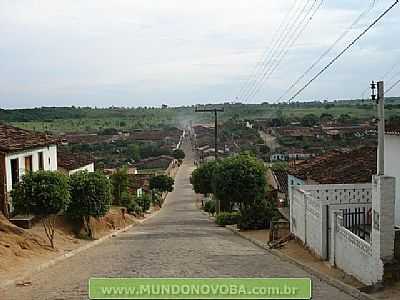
215	111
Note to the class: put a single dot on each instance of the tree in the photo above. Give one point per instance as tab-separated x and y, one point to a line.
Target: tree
134	151
178	154
239	180
119	182
202	178
90	197
162	183
309	120
325	117
42	193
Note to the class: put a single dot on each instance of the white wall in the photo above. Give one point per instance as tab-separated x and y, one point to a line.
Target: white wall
49	159
311	207
392	168
89	168
354	255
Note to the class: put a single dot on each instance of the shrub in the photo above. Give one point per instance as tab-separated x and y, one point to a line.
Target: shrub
135	209
144	202
43	193
119	181
126	199
227	218
162	183
209	207
257	216
90	197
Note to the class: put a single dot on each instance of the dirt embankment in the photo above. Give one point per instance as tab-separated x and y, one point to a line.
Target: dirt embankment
23	249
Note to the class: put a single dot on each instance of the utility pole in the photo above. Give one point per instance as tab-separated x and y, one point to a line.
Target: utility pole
215	111
380	101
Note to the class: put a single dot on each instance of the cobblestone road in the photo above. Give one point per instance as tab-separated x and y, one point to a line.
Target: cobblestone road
179	242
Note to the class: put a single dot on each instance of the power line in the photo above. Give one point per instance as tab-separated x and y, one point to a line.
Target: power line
327	51
344	50
302	27
292	17
264	56
384	76
392	86
285	37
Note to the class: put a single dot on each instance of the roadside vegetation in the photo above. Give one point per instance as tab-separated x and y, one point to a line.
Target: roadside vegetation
82	197
238	189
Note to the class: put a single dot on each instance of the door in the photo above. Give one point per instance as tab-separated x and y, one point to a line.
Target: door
28	164
14	171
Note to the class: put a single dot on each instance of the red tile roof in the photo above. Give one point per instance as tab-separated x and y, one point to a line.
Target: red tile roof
17	139
336	167
71	161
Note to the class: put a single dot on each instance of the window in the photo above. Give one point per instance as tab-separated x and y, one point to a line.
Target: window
28	164
14	171
41	161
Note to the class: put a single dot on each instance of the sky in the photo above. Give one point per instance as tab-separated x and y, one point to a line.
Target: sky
182	52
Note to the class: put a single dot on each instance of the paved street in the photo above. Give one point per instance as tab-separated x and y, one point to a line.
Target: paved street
180	241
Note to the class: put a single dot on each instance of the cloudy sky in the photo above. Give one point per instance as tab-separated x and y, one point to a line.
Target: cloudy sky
149	52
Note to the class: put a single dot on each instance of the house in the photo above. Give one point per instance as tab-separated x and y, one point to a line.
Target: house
298	154
392	163
337	167
342	208
70	163
22	151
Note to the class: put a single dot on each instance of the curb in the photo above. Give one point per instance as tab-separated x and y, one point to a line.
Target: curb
344	287
74	252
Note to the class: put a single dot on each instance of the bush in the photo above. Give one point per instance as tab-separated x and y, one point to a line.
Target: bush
43	193
144	202
227	218
90	197
209	206
257	216
126	199
135	209
162	183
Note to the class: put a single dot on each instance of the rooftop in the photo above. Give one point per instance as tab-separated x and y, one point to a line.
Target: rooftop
337	167
17	139
71	161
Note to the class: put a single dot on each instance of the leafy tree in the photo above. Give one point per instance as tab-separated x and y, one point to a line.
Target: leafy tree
162	183
134	151
119	182
202	178
309	120
239	180
90	197
42	193
144	202
178	154
325	117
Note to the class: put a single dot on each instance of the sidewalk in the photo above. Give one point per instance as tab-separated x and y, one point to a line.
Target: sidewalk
296	253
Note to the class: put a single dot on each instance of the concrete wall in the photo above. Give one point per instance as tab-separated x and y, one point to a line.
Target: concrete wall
392	168
89	168
354	255
311	208
49	159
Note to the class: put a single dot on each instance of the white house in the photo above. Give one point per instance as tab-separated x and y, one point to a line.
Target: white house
392	163
22	151
70	163
351	225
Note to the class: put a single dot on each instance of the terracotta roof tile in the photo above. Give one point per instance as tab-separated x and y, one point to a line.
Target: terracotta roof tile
336	167
16	139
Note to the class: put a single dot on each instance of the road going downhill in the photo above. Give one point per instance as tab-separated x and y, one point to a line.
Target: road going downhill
179	242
